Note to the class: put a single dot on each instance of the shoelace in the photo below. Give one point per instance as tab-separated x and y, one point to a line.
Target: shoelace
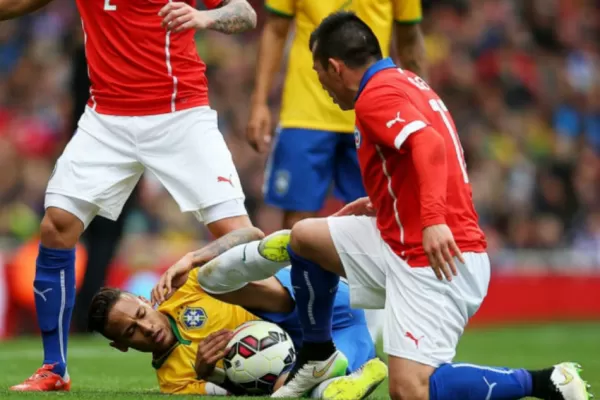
43	372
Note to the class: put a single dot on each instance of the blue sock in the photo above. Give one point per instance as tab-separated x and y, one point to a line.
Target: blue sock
473	382
315	290
54	292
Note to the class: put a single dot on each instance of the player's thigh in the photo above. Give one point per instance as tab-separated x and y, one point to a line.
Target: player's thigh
348	179
360	248
356	344
98	166
299	171
425	317
187	153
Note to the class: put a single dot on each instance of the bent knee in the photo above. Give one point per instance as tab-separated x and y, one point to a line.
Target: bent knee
409	388
60	229
301	241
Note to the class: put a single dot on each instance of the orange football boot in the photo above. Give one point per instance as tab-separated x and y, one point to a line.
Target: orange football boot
44	380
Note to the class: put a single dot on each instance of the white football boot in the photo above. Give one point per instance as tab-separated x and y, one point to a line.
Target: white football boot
312	373
568	383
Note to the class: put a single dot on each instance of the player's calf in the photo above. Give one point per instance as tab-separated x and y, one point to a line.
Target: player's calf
409	380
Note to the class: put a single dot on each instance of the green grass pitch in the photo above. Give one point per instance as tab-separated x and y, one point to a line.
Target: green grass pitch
99	372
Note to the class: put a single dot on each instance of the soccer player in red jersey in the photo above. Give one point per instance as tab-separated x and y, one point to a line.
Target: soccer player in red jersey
148	109
412	247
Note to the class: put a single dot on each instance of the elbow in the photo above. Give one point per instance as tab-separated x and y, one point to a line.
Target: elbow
251	18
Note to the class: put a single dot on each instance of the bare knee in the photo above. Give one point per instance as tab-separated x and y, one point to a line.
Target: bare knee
60	229
301	240
291	218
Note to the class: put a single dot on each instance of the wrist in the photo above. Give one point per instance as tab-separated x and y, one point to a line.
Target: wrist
428	221
259	100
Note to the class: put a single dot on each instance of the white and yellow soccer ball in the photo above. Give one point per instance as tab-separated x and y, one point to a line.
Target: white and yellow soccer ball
257	355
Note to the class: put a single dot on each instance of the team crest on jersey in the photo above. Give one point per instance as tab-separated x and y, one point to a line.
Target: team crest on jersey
193	317
357	137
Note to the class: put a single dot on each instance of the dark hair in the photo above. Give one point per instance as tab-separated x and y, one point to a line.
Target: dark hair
344	36
102	303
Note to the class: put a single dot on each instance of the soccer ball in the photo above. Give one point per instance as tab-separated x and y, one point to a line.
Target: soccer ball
257	354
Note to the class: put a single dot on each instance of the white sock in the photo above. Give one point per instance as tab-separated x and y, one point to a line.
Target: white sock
317	393
236	267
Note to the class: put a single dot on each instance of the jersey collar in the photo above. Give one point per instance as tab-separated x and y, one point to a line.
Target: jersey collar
380	65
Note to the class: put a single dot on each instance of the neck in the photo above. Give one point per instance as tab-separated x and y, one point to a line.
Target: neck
356	77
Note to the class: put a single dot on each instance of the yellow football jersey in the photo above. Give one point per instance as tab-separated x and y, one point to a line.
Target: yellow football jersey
193	315
305	104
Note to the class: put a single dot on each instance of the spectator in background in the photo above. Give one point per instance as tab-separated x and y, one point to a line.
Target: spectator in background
548	49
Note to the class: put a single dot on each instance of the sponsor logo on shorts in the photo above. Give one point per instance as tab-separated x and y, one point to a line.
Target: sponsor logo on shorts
226	180
282	182
412	337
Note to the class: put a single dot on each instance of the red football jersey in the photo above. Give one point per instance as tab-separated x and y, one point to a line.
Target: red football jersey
393	108
136	67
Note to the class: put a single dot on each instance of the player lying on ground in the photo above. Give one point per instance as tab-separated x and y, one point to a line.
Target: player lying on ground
148	109
188	333
417	227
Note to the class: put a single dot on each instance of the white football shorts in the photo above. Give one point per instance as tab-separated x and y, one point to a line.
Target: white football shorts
424	317
106	157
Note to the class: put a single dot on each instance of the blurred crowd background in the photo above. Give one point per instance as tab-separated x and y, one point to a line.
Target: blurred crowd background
521	78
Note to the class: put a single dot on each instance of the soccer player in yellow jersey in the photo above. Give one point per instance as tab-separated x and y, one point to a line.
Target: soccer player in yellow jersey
190	321
314	145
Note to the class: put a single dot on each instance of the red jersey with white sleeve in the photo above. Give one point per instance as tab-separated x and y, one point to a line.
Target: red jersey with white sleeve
412	163
135	66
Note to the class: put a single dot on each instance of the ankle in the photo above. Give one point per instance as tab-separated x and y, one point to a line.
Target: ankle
317	351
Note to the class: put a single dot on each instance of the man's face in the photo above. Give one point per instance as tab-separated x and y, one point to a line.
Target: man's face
331	78
132	322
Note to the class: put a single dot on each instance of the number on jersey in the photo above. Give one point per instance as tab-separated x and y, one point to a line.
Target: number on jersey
108	6
438	106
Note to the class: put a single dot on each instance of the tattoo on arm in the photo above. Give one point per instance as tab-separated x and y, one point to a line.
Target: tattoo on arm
234	16
224	243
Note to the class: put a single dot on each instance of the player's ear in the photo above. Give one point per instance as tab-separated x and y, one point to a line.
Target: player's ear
336	65
119	347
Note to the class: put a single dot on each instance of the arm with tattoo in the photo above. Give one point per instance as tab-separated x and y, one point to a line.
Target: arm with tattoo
224	243
234	16
176	276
